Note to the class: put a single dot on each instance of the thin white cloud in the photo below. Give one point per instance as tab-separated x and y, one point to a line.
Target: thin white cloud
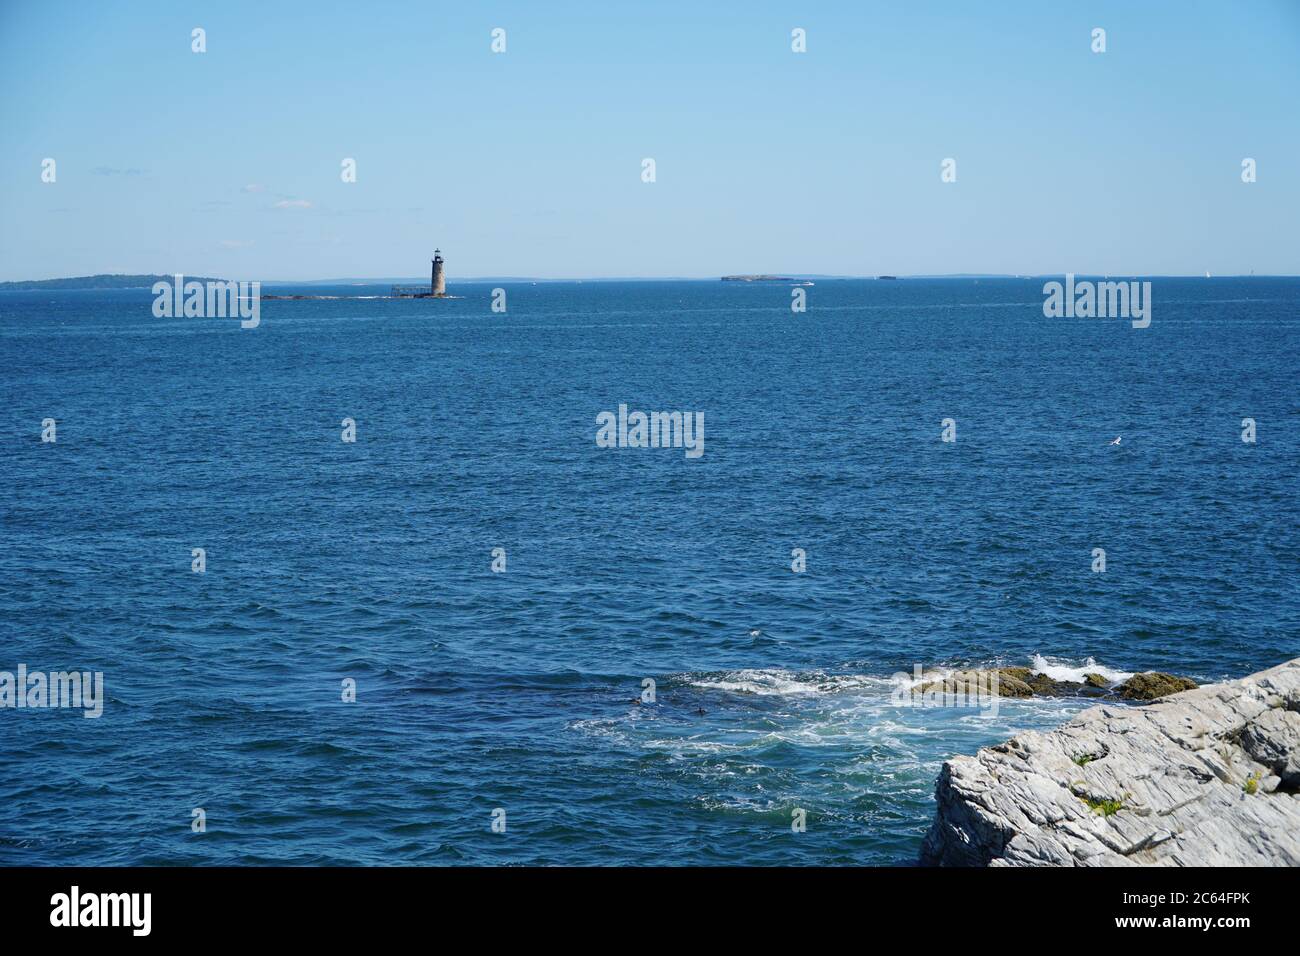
293	204
253	188
236	243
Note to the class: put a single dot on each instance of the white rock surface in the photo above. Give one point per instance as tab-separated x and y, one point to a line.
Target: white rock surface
1179	768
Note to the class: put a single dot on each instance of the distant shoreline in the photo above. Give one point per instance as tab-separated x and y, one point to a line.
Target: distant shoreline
103	281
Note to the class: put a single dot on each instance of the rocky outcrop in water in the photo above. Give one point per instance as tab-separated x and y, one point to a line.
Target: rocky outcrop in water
1026	682
1207	777
1153	684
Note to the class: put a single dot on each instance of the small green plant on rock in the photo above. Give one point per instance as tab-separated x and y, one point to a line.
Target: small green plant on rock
1104	807
1252	784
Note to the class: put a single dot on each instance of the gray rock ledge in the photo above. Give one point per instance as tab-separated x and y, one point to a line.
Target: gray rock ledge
1206	777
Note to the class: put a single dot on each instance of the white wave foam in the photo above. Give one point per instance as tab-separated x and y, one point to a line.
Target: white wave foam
785	683
1060	669
684	746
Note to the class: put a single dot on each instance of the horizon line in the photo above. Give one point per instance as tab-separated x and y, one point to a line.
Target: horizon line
383	280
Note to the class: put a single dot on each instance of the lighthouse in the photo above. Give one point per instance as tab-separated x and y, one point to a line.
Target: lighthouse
438	283
436	289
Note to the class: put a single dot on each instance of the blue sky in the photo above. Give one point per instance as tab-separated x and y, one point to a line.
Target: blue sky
529	162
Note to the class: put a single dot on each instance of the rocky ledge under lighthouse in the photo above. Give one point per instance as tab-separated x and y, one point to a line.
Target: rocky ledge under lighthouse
1205	777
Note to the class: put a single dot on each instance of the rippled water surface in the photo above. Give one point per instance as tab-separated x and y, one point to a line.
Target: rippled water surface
478	690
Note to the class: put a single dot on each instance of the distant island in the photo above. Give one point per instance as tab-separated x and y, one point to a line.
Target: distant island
757	279
97	282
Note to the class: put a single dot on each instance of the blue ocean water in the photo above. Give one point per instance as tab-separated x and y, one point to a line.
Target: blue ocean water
478	690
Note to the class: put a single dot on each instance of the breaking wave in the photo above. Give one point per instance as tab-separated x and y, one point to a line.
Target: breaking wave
1058	669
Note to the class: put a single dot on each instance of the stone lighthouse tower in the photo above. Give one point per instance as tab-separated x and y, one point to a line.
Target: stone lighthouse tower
438	284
